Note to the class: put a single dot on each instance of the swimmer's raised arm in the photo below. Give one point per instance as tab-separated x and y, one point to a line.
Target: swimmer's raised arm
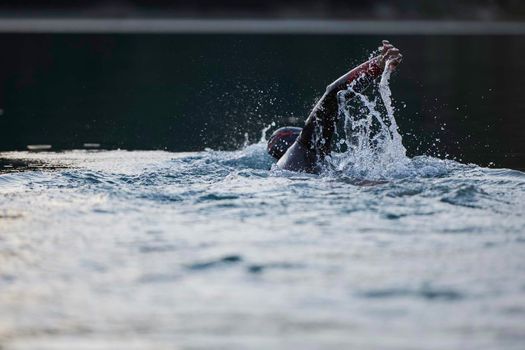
325	112
315	139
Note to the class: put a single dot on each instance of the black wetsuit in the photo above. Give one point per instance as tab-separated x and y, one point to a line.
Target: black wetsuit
314	142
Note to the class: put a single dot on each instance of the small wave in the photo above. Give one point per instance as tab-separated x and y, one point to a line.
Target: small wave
466	196
428	293
161	197
211	197
224	261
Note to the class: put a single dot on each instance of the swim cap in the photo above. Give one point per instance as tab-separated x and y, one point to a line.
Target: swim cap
281	140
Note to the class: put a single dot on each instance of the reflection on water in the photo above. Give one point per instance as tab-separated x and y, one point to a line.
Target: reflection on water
160	250
8	165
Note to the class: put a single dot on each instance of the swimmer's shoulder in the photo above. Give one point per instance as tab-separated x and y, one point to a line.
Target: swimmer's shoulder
299	158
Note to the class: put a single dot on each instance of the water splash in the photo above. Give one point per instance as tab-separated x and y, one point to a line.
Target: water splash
262	139
264	131
374	147
396	144
370	146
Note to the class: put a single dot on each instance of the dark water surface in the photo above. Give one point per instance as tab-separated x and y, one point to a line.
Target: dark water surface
459	96
200	250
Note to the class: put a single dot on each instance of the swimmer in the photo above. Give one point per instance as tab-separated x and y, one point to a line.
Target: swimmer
301	149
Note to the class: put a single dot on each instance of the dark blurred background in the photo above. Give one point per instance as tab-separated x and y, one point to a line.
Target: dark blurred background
177	87
344	9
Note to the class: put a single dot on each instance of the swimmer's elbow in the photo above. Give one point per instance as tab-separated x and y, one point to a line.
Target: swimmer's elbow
331	87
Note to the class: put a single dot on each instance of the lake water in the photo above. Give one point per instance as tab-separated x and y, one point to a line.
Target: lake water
212	249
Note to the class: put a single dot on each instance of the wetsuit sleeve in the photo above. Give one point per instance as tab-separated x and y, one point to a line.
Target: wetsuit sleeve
323	116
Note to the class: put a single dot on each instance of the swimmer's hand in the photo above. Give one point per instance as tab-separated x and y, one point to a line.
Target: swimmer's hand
389	53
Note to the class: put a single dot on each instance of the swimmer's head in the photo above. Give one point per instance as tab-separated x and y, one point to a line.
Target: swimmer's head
281	140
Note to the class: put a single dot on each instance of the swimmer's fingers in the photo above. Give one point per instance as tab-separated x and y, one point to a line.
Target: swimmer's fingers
385	47
391	55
